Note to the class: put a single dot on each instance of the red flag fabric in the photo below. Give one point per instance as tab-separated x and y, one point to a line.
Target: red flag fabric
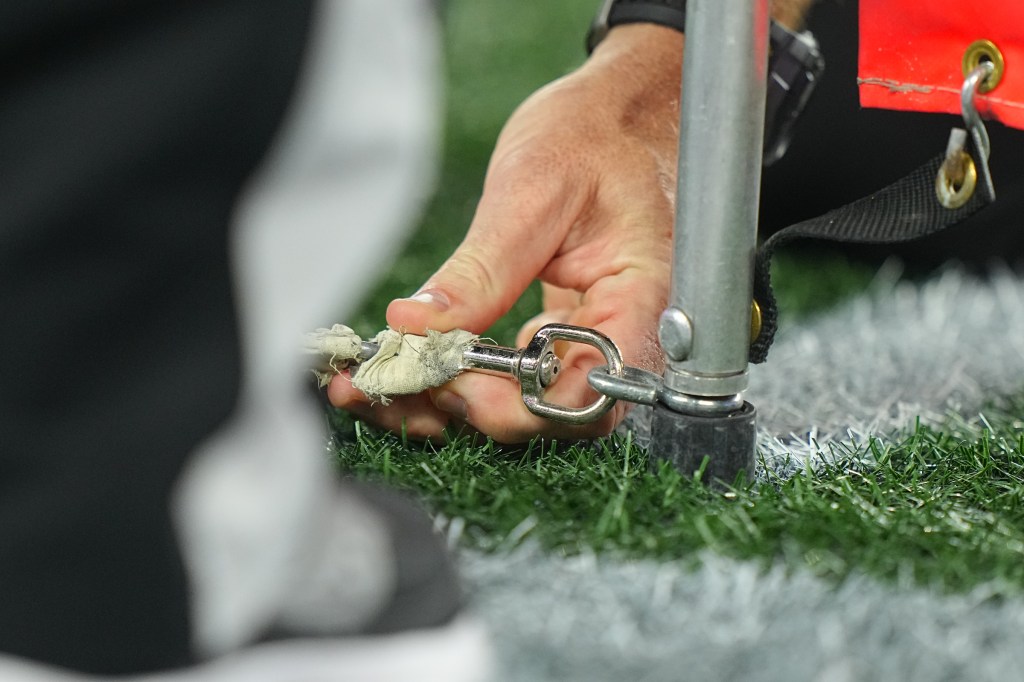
911	54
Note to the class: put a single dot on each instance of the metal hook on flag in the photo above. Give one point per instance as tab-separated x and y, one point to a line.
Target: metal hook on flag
960	172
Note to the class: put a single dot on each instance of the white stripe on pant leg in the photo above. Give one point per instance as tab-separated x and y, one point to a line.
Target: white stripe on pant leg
457	652
349	174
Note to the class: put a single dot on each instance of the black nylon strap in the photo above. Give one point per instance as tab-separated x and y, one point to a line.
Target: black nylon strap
905	210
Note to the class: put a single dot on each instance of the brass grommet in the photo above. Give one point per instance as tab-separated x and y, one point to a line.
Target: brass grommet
984	51
755	321
950	192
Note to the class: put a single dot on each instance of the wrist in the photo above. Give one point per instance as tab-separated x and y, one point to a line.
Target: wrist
636	76
668	13
644	53
672	14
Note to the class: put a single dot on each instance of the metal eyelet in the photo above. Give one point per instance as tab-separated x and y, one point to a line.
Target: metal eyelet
540	347
956	180
984	51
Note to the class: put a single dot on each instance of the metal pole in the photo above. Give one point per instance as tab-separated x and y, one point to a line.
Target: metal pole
706	330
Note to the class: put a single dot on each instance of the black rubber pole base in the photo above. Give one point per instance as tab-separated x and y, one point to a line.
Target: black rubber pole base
728	441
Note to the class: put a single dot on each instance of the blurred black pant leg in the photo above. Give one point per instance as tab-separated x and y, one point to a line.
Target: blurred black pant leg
126	133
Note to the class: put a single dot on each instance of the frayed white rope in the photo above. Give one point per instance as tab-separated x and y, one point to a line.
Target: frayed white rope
405	364
333	350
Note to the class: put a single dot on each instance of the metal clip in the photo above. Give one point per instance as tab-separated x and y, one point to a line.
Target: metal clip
635	385
960	173
536	368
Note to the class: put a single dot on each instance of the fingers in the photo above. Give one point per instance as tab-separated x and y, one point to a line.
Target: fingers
414	414
489	404
494	406
470	291
533	325
578	195
531	199
487	273
625	308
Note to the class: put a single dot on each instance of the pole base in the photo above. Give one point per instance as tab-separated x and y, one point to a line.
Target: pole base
728	441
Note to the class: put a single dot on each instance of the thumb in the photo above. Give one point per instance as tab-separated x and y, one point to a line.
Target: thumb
470	291
507	246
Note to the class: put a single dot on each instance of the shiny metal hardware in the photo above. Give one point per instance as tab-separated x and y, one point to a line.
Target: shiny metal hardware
367	349
497	360
675	334
958	176
702	406
972	119
508	361
755	321
634	385
531	370
979	52
675	331
639	386
536	367
721	126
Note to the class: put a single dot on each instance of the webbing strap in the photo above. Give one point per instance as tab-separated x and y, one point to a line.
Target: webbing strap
905	210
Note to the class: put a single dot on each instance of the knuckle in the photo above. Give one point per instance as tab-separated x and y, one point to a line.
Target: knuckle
531	179
468	272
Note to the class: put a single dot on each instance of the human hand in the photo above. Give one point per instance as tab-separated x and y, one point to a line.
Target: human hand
579	194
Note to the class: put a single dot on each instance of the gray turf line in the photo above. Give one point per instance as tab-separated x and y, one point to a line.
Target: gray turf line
587	618
867	369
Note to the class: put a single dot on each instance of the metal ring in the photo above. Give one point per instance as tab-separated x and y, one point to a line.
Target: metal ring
984	51
529	372
700	405
949	195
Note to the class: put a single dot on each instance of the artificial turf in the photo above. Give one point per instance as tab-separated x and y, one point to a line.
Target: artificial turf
937	506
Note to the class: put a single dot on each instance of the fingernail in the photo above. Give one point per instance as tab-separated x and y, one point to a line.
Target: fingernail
432	297
453	404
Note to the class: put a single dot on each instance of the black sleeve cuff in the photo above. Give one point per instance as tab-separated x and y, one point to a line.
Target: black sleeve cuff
671	14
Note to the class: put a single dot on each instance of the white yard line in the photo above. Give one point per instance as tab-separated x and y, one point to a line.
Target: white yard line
587	618
866	369
879	361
